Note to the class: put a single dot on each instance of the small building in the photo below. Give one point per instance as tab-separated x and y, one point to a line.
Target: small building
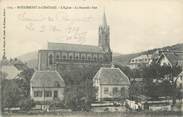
46	86
139	61
111	84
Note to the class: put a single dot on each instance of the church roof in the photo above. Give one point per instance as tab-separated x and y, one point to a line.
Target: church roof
112	76
47	79
74	47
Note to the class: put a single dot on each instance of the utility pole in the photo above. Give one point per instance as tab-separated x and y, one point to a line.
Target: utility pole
4	34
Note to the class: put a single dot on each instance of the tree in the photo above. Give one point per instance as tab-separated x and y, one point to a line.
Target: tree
159	81
11	93
24	82
26	104
15	92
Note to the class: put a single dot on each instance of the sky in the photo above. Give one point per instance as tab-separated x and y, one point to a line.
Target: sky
135	25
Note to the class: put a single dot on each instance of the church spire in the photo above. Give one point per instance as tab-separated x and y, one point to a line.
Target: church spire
104	35
104	20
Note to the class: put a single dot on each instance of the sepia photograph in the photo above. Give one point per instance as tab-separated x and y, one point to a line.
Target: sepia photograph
91	58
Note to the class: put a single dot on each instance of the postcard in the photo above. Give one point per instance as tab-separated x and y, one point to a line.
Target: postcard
77	58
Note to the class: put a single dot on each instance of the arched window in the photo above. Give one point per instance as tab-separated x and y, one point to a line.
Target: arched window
95	58
77	57
57	57
70	57
50	59
64	57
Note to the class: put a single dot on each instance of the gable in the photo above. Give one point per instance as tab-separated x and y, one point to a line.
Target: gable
164	61
47	79
112	76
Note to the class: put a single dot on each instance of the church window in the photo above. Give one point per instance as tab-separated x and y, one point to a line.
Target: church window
71	57
77	57
89	58
64	57
50	59
95	58
57	57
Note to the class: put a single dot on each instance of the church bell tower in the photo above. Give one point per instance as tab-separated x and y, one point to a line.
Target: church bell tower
104	35
104	39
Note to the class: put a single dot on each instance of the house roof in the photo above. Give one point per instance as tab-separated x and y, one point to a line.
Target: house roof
47	79
173	57
111	76
10	70
74	47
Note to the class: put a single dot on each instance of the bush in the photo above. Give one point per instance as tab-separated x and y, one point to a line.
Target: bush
26	104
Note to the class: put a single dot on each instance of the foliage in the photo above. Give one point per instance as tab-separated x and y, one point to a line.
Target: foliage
11	93
158	80
24	83
79	97
26	104
15	92
136	89
131	73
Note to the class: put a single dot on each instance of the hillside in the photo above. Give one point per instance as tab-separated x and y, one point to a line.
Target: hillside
123	59
29	58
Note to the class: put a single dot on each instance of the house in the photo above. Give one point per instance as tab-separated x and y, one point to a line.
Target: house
171	58
140	61
45	86
110	84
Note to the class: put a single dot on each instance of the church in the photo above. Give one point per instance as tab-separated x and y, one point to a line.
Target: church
63	53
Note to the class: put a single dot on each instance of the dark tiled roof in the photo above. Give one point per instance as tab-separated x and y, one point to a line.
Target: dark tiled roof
111	76
74	47
174	57
171	57
47	79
